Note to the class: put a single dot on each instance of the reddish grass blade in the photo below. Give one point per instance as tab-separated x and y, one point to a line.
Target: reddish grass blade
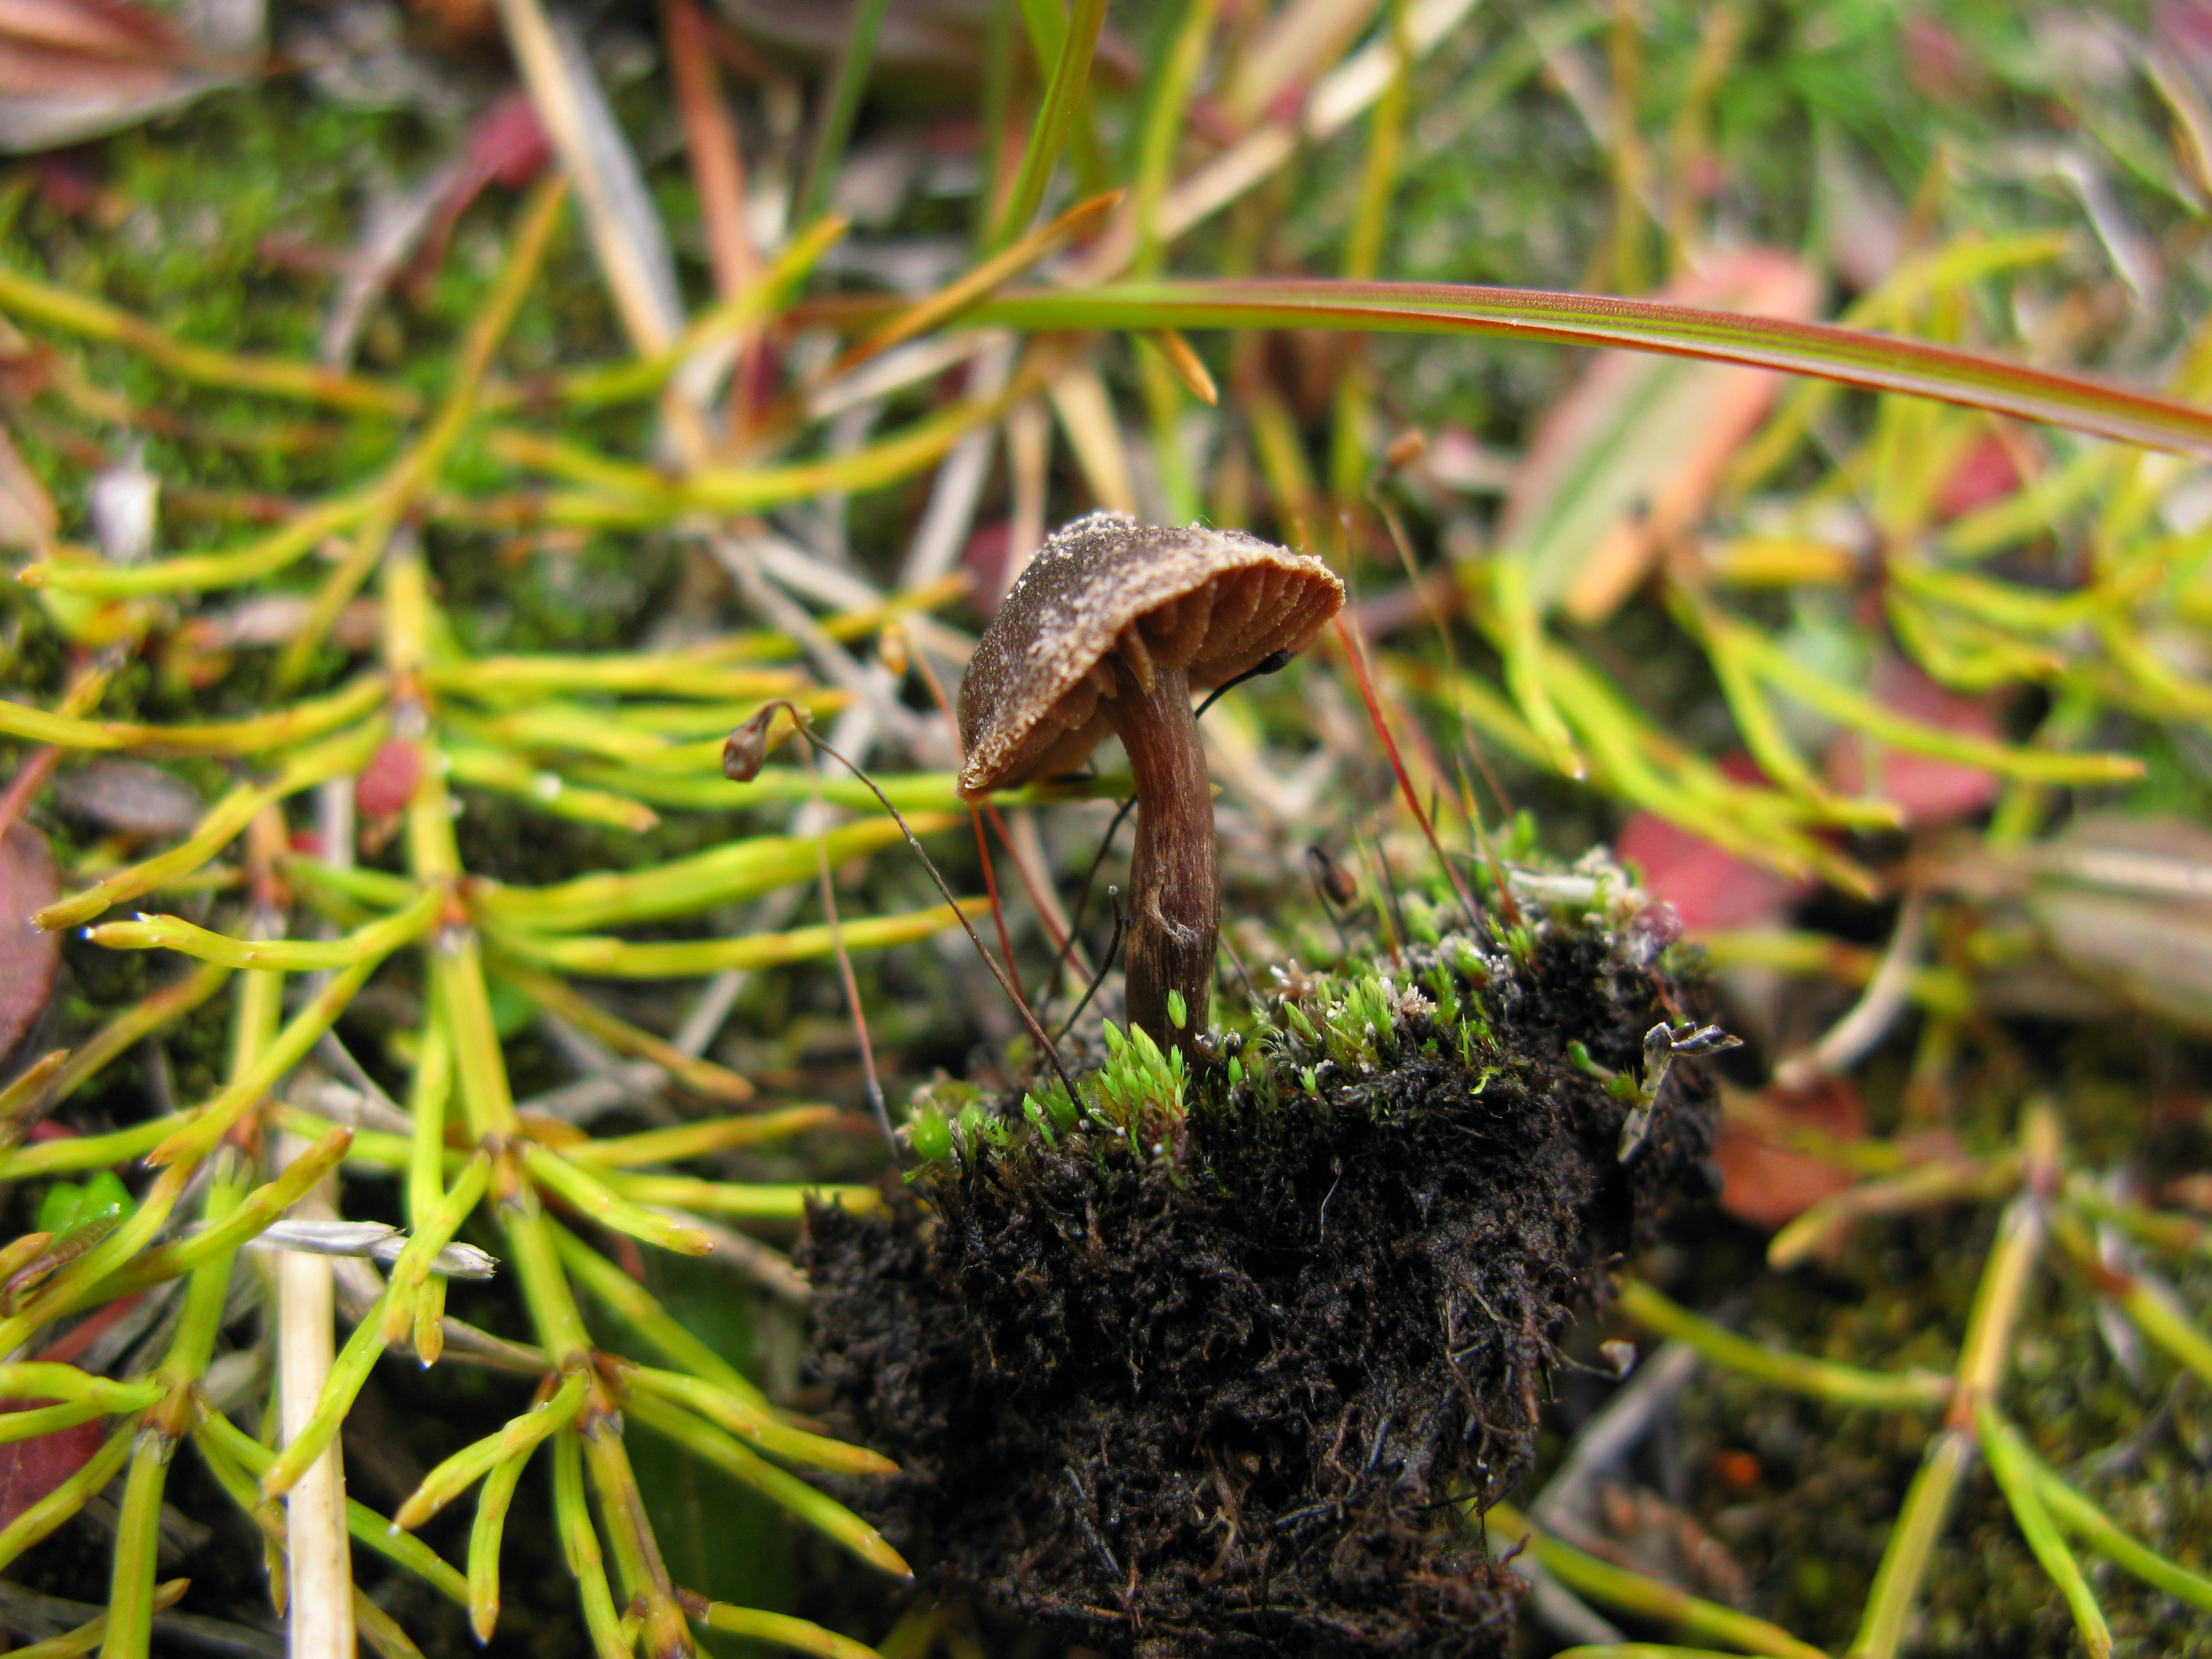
1877	362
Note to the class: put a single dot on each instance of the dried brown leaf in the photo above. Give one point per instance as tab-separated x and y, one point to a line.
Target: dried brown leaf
29	956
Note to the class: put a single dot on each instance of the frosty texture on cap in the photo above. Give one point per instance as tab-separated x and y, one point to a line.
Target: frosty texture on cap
1213	603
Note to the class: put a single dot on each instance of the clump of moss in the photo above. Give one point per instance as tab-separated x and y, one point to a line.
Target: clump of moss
1212	1359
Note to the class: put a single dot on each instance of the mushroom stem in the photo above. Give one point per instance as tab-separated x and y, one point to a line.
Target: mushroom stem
1174	887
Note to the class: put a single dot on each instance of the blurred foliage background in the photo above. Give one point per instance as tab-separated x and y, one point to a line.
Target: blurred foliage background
429	428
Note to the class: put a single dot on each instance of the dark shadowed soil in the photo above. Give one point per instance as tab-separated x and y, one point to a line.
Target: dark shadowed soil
1235	1402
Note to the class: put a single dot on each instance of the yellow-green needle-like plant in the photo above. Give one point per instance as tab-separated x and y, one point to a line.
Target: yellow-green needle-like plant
2079	590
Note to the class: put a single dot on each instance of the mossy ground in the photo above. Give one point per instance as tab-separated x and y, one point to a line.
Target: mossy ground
1509	190
1218	1373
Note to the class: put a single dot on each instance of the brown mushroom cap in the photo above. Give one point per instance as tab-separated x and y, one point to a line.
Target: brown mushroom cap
1213	603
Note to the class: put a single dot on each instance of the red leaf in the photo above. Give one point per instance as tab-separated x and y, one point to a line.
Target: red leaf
1930	791
507	145
1989	471
984	559
387	784
1708	887
29	1469
28	955
1769	1183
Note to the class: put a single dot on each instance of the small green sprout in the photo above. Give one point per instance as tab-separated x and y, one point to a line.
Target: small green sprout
1178	1010
1038	1121
929	1132
1579	1056
1446	994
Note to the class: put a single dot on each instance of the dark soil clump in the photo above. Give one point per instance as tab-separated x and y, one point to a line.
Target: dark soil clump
1217	1374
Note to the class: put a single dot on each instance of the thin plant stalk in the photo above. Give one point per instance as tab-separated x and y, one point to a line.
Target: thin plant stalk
741	765
717	167
472	1462
84	692
94	319
342	755
191	573
320	1560
2097	1530
802	1635
428	1094
1356	654
418	468
239	1459
1874	362
636	1307
493	1502
1363	257
663	1633
1982	1361
1163	123
279	729
839	107
316	1429
191	1345
1819	1379
1633	1592
1063	94
816	1508
579	1544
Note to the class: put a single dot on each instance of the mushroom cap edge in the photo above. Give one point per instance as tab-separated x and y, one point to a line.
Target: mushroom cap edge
1092	579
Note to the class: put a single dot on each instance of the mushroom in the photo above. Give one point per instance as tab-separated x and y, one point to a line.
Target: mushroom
1112	626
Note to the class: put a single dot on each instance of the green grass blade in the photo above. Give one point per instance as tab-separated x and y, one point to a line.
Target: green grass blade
237	1460
842	104
379	939
614	958
727	874
636	1307
1055	116
749	1422
1876	363
340	756
199	572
